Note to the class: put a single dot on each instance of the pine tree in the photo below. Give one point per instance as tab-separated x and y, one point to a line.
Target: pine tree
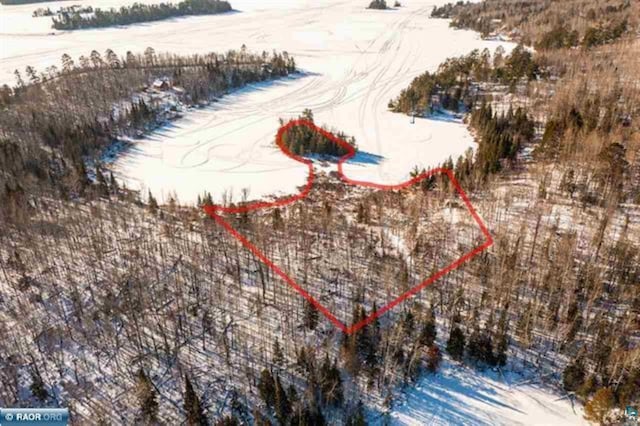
310	315
282	405
193	406
267	387
153	204
38	389
480	347
573	376
456	344
428	333
147	398
278	356
502	344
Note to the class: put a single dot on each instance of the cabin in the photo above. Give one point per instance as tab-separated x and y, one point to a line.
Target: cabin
161	84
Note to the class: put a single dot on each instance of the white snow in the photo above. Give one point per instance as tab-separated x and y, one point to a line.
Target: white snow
354	60
462	396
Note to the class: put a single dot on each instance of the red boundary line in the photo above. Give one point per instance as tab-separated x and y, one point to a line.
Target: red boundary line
213	210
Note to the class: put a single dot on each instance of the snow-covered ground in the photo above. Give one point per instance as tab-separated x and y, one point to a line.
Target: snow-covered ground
463	396
353	60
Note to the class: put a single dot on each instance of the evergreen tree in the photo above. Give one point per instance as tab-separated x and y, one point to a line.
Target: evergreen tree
281	401
267	388
502	344
310	315
428	333
153	204
38	388
147	398
193	406
480	347
456	343
573	376
278	356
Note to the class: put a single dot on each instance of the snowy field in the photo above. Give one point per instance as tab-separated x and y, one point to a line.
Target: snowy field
461	396
353	61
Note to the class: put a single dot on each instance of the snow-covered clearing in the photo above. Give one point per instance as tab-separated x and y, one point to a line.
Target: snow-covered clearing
353	60
463	396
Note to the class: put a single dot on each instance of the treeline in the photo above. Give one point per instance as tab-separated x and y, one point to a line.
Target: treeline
17	2
301	140
49	126
546	24
75	9
378	4
138	12
453	86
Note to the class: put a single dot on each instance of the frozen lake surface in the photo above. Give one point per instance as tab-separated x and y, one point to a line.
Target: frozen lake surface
353	61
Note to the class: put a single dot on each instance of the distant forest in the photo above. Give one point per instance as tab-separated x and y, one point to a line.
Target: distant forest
546	24
136	13
18	2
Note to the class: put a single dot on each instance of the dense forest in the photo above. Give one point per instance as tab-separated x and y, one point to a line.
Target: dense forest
547	24
454	86
138	12
584	100
301	140
48	130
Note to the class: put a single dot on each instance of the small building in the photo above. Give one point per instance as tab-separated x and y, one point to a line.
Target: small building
161	84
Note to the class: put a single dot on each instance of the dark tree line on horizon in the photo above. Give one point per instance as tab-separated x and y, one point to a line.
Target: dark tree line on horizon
136	13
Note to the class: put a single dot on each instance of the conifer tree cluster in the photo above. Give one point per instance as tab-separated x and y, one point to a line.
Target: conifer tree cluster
136	13
378	4
454	85
500	136
302	140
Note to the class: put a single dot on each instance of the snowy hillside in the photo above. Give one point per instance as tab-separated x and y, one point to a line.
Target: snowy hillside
462	396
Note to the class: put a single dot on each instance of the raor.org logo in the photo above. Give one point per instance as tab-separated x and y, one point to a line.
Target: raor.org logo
34	416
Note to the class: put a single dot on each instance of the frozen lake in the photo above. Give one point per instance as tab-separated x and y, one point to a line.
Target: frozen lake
353	61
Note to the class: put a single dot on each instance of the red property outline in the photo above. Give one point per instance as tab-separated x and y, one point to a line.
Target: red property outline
213	210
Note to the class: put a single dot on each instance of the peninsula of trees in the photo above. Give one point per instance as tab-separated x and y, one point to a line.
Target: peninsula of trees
301	140
49	128
136	13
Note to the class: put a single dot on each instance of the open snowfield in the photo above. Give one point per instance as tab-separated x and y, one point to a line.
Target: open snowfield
462	396
353	61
